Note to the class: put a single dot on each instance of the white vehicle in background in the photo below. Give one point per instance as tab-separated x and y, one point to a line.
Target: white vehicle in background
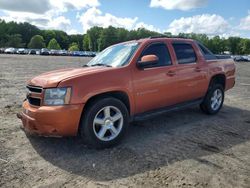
22	51
248	57
10	50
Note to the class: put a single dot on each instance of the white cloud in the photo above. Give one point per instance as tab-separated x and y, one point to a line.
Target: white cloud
178	4
245	23
39	7
95	17
45	22
205	23
147	26
45	14
59	23
32	18
73	32
66	5
43	6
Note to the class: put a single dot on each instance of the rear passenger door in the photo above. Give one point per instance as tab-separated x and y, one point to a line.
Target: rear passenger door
190	74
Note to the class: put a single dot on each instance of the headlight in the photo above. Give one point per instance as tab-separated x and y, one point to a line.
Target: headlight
57	96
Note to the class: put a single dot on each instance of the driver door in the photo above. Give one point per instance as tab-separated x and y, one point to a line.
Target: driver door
155	86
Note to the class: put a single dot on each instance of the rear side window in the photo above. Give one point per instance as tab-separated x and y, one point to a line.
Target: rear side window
185	53
161	51
206	53
204	50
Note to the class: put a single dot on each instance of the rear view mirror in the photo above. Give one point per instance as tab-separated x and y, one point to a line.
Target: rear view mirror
147	61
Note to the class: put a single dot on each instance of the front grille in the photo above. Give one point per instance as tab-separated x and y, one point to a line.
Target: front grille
34	95
34	101
35	89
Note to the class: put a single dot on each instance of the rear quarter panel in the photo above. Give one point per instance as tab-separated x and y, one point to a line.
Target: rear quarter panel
226	67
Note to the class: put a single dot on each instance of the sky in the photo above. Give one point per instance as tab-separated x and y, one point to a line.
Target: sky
212	17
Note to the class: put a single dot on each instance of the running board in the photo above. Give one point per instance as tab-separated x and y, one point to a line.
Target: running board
150	114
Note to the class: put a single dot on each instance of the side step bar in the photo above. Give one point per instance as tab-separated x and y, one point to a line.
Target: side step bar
150	114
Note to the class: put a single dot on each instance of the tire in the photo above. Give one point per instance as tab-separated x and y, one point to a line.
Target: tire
214	99
104	123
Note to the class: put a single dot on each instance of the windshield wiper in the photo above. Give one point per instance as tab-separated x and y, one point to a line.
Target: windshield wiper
101	64
85	65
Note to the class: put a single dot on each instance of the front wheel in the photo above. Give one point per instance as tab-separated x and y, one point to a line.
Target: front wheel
213	100
104	123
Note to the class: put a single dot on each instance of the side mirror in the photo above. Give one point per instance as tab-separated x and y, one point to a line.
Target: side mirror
147	61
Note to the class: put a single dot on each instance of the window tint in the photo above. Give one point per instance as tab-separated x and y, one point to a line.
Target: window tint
185	53
161	51
206	53
204	50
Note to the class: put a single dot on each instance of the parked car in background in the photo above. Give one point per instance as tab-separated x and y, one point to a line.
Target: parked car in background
128	81
241	58
44	51
75	53
223	56
10	50
89	54
54	52
92	54
2	50
22	51
63	52
247	58
32	52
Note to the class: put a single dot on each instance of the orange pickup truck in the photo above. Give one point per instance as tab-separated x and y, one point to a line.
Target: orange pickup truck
126	82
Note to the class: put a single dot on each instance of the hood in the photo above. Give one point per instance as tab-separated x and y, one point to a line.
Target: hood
53	78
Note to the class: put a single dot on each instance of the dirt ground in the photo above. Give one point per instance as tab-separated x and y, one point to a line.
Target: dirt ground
179	149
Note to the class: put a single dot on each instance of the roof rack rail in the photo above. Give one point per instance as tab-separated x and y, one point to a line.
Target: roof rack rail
165	36
158	36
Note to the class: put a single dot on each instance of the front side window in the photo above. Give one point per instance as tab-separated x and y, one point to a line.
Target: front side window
161	51
115	56
185	53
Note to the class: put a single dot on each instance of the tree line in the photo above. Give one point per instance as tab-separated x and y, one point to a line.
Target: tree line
19	35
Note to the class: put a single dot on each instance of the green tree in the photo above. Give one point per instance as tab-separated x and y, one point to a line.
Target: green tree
16	30
108	37
36	42
73	47
48	35
234	45
14	41
85	42
94	35
168	34
132	35
77	39
201	38
62	38
122	34
53	44
144	33
216	45
97	38
245	46
26	30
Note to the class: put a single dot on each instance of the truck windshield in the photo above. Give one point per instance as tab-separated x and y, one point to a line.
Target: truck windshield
115	56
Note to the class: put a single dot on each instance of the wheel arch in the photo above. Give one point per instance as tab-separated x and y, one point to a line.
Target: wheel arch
120	95
218	78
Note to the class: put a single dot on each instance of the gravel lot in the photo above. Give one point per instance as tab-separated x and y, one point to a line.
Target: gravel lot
178	149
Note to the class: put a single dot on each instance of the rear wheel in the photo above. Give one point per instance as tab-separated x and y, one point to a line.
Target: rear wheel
213	100
104	123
